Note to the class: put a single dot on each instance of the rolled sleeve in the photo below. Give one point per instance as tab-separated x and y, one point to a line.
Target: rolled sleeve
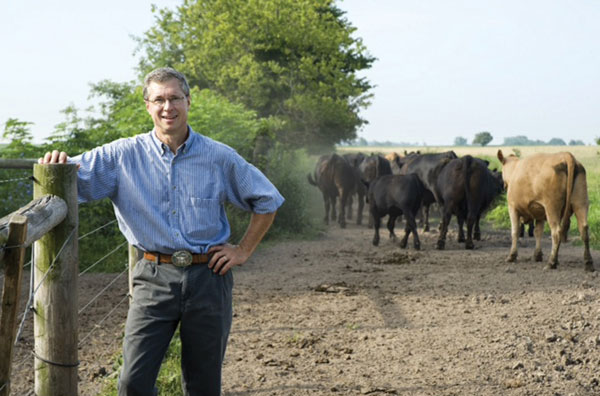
250	189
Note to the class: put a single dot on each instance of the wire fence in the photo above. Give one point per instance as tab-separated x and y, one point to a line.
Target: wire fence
34	286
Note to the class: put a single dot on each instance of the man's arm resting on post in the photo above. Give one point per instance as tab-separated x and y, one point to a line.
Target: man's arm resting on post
227	256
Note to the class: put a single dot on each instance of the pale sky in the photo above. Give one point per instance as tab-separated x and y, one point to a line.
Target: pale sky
444	68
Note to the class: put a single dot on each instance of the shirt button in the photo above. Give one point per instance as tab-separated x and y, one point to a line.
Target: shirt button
174	187
174	212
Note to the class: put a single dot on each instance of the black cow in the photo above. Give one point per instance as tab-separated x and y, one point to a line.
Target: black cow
396	195
466	188
355	159
371	168
334	176
374	166
427	167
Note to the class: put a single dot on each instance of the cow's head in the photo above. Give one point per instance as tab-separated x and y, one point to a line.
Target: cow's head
508	164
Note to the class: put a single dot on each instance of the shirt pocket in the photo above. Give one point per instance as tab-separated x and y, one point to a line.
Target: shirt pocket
201	221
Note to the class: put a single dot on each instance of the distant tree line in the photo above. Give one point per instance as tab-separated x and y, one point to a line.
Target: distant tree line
484	138
362	142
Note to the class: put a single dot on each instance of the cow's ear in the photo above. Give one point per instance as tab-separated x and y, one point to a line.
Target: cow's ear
501	157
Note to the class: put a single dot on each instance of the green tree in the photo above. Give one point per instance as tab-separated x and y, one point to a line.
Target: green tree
557	142
482	138
18	191
460	141
19	136
294	60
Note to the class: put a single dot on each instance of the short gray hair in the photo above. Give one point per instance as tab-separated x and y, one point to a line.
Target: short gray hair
163	74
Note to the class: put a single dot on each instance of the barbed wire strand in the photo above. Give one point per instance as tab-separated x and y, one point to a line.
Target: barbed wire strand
28	306
15	179
98	229
102	291
103	258
97	325
54	261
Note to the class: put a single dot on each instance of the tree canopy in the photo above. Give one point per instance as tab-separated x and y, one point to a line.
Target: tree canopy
483	138
294	62
460	141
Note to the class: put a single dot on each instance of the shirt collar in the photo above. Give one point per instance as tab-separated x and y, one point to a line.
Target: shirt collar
185	147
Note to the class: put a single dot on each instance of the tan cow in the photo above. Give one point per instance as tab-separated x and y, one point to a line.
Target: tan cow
548	187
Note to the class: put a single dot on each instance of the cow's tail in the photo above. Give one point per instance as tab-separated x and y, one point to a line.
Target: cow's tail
570	184
311	180
467	161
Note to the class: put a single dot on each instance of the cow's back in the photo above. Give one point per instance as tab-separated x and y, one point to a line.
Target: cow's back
539	180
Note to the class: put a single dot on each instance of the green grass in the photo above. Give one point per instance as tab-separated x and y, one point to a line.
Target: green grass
169	378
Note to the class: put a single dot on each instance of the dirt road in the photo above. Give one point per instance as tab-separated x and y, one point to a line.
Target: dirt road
338	316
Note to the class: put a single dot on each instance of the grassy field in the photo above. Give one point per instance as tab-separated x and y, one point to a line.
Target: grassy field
589	156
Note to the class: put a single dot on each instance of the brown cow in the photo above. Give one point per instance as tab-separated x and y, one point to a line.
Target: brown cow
546	187
335	177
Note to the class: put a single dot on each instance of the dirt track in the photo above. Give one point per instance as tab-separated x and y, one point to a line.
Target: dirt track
338	316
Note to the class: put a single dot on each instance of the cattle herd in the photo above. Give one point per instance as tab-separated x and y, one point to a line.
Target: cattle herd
540	188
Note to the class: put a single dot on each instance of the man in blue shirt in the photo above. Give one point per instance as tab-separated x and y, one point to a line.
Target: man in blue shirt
168	188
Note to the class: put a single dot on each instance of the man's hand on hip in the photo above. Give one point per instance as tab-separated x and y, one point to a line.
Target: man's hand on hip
226	257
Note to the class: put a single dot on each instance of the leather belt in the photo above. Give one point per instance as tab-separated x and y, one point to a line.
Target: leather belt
181	258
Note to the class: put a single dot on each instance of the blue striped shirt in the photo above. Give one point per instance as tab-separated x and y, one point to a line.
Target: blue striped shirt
166	202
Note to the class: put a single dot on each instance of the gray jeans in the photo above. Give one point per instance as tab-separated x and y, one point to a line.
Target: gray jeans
163	297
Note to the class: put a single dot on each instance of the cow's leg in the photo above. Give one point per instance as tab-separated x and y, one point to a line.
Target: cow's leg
565	230
477	232
361	205
580	205
554	223
343	202
446	216
531	228
349	208
326	203
522	230
460	220
411	226
426	217
421	216
538	233
376	225
514	234
471	223
391	223
333	211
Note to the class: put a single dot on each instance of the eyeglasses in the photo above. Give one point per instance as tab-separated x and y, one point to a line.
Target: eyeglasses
160	102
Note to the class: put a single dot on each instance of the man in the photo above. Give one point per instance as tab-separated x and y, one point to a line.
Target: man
168	188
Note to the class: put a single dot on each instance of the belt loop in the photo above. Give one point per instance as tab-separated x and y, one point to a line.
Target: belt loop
157	259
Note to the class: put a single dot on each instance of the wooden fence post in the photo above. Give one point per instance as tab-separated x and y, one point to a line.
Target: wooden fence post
134	256
55	301
13	270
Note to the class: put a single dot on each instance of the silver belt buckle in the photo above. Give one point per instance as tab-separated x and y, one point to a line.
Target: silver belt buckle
181	258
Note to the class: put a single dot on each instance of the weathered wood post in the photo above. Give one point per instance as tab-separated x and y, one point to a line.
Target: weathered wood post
13	270
55	301
134	256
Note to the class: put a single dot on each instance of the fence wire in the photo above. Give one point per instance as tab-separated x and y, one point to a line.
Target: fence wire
103	258
102	291
97	325
16	179
54	261
98	229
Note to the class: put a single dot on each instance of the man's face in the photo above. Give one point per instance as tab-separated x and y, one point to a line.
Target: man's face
168	106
